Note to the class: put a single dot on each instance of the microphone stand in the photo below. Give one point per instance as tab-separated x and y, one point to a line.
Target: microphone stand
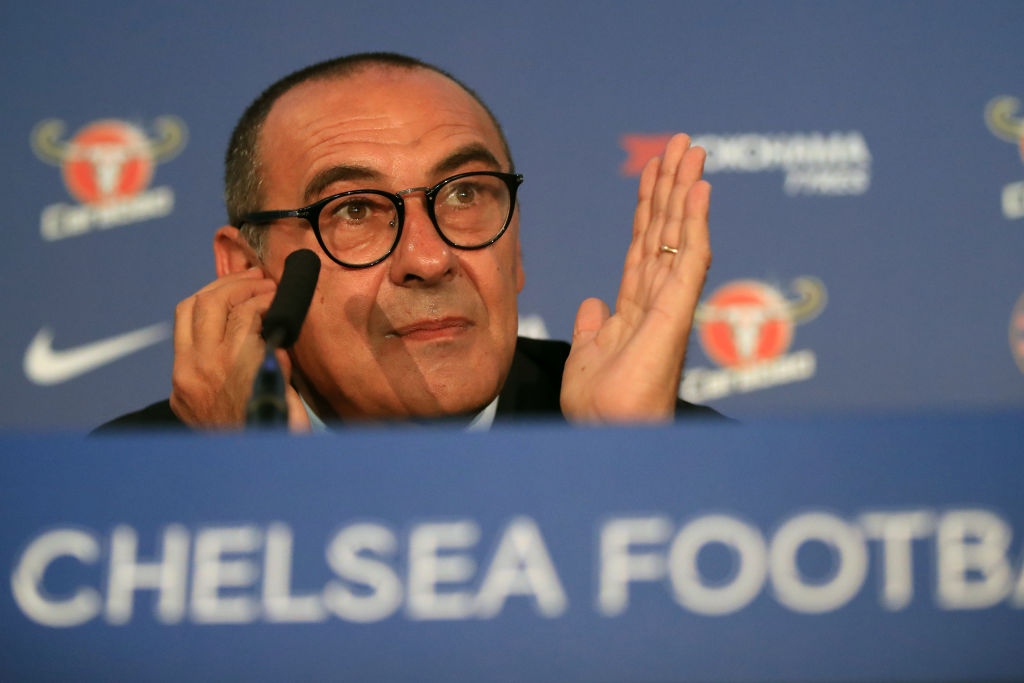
267	407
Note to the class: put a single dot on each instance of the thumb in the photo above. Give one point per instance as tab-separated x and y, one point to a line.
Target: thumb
589	318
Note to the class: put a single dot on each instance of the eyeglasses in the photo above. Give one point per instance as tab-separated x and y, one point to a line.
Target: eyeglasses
360	228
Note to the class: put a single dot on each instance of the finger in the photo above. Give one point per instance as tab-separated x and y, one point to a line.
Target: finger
238	356
254	273
644	195
184	313
641	220
642	214
668	322
589	318
674	152
183	326
666	180
187	307
244	323
690	267
696	259
212	307
666	228
691	166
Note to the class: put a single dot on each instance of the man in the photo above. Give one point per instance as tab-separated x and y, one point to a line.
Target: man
429	329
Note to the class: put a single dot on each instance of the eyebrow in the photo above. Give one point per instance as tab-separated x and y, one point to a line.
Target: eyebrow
474	152
336	174
465	155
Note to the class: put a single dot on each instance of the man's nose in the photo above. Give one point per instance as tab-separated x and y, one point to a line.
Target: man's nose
421	257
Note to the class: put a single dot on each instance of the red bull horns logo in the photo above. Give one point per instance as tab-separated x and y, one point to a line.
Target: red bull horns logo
107	166
1003	119
746	327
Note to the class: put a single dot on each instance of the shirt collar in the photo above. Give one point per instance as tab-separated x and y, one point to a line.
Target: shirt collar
481	422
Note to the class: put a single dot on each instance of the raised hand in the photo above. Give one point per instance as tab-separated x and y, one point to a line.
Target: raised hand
218	348
626	367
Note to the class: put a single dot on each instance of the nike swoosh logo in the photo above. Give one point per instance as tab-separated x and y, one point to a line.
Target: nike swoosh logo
45	366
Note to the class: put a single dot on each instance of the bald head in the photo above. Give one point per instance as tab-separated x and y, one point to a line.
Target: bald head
243	176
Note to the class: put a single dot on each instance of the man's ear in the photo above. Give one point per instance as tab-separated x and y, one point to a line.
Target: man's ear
231	251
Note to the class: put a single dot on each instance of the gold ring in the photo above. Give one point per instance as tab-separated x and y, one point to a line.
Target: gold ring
667	249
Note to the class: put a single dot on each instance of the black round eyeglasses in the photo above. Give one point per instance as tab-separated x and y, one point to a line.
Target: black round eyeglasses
360	228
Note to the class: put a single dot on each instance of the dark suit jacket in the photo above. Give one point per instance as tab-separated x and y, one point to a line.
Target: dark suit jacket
531	390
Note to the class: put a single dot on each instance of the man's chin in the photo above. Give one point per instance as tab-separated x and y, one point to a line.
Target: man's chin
442	404
446	378
450	397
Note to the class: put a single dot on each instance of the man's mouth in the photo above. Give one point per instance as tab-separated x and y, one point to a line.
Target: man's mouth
431	330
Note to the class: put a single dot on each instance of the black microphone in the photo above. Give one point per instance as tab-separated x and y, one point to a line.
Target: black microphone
281	324
284	318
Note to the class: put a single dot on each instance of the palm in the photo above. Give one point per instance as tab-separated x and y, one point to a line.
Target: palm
626	366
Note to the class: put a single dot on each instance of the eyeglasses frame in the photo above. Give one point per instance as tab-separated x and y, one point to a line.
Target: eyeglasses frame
311	213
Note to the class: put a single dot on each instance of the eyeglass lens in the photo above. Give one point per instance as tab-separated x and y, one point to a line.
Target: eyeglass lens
361	228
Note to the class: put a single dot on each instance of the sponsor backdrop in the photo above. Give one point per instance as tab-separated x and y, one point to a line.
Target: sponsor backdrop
867	219
868	230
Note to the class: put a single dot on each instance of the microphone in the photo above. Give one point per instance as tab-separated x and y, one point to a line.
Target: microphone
281	324
283	319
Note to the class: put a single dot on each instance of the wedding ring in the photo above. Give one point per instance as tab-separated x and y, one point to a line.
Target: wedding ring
668	250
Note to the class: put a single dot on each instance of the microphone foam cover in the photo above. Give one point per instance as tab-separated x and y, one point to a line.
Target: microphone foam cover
294	292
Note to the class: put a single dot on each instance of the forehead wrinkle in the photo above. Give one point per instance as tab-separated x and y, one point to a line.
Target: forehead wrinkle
320	145
319	135
473	148
329	125
469	143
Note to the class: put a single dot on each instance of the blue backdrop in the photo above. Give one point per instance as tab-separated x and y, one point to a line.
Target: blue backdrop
867	220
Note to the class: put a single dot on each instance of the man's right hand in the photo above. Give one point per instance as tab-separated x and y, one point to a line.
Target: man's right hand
218	349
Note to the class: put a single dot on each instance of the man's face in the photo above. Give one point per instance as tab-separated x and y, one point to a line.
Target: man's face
432	329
